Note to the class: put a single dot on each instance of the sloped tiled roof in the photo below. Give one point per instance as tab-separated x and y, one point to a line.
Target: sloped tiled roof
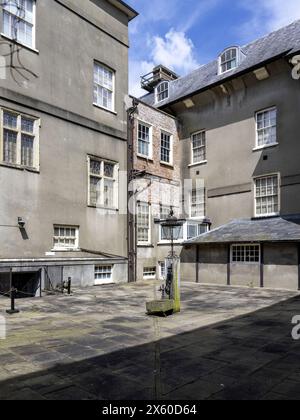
279	43
278	229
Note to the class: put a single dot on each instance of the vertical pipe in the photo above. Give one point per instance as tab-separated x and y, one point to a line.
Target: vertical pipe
262	263
41	271
229	265
299	266
10	279
62	279
197	263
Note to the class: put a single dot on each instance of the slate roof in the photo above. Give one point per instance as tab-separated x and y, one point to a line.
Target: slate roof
280	43
278	229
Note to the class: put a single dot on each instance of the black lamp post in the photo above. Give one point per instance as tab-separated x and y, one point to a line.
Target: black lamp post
171	228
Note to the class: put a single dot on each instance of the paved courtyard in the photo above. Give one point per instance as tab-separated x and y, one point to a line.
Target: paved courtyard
228	343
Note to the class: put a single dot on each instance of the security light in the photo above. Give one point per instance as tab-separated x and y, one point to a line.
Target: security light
21	222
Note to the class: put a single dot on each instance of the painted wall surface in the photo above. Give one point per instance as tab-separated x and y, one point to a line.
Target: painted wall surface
232	161
280	267
58	194
58	89
67	46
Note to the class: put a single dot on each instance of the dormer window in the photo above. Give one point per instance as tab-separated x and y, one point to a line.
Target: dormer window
162	91
229	60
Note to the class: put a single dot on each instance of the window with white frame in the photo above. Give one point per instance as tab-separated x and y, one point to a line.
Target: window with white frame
103	273
66	237
143	224
266	126
162	91
19	138
104	87
166	148
247	254
197	203
267	196
195	229
103	183
18	21
229	60
144	140
162	270
149	272
199	147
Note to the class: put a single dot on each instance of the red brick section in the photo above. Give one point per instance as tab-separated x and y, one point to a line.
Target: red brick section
159	122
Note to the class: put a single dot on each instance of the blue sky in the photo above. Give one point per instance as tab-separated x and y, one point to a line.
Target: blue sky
184	34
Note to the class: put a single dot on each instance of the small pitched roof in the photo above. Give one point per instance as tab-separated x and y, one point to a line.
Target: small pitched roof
277	229
280	43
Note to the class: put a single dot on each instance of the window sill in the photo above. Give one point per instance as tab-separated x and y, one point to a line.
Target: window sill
110	111
169	165
266	216
32	49
65	250
196	219
145	246
149	159
192	165
267	146
19	167
168	243
103	208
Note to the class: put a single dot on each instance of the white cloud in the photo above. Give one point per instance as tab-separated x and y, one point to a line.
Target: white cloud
270	15
138	69
175	51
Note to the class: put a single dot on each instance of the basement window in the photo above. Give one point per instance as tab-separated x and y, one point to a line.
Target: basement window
246	254
103	274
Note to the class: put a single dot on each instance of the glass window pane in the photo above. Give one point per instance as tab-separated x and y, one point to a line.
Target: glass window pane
27	143
10	146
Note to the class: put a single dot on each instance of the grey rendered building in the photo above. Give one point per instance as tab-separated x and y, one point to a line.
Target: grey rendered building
63	142
239	139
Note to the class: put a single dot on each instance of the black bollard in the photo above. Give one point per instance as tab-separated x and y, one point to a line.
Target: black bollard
12	310
69	285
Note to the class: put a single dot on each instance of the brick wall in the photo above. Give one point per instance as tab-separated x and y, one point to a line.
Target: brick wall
159	122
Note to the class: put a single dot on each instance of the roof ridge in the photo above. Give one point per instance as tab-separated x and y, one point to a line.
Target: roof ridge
241	46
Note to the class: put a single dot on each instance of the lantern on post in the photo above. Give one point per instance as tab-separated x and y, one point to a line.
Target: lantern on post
171	230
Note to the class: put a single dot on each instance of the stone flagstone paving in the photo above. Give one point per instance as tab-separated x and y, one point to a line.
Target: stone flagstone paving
228	343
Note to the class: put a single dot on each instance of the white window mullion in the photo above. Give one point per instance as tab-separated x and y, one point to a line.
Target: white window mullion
1	136
19	141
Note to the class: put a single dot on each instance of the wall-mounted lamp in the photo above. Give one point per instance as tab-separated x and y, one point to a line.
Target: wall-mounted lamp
21	222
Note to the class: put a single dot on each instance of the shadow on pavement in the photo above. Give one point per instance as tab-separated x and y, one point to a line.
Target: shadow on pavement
248	357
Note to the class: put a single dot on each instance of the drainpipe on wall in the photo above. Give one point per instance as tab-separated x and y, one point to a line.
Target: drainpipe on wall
131	236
